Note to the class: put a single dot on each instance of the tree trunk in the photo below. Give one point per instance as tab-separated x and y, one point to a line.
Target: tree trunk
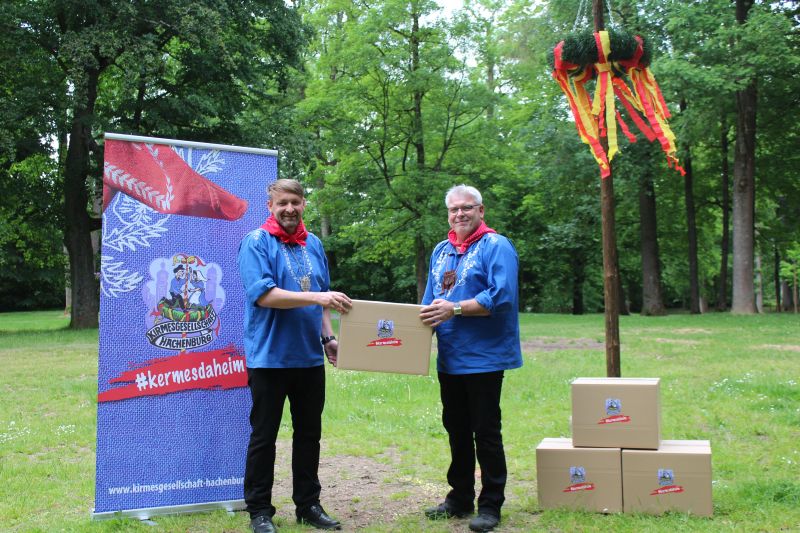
578	268
759	286
418	140
744	190
794	278
722	288
78	223
652	300
788	301
777	274
691	229
421	266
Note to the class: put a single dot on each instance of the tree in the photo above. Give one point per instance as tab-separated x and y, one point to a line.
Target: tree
392	107
186	63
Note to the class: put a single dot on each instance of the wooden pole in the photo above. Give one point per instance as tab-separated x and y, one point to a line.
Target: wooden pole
610	269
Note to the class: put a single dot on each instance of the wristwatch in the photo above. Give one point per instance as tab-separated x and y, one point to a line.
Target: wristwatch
457	309
326	340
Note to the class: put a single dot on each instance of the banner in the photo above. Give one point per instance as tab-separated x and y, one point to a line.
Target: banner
172	401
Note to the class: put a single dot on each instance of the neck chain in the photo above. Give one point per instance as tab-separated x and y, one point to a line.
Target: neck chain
302	278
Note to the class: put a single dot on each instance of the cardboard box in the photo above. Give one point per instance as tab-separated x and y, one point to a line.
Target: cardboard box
616	413
585	479
676	477
384	337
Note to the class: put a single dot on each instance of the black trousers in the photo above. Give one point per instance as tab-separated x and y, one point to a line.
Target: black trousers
269	388
471	416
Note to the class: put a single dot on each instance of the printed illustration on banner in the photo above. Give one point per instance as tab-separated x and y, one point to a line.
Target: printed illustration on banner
614	412
386	334
666	482
577	480
183	300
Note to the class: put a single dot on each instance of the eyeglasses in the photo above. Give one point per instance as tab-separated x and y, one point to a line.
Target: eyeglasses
466	209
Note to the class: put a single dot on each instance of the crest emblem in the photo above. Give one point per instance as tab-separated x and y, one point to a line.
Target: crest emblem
577	474
666	477
385	328
613	406
183	300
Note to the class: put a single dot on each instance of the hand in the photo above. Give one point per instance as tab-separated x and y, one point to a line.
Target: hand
331	349
338	301
437	312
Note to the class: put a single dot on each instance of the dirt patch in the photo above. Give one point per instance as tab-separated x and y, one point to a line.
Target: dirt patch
687	342
553	344
358	491
364	492
690	331
781	347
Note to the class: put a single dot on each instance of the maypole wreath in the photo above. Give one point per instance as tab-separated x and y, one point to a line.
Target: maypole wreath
610	57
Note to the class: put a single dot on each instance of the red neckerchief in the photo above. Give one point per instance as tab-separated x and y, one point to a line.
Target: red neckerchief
479	232
298	237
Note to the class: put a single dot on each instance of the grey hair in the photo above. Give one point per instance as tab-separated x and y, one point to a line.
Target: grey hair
463	190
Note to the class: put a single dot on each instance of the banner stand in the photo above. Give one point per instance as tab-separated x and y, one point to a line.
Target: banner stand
172	398
145	514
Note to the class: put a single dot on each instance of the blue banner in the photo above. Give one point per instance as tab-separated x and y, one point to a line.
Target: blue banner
173	403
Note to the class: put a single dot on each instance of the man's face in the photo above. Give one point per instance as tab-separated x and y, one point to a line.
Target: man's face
464	215
180	274
288	209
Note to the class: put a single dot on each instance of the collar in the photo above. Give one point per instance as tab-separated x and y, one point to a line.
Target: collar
298	237
475	236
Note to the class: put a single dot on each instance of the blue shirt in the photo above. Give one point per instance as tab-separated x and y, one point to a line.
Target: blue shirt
281	338
487	271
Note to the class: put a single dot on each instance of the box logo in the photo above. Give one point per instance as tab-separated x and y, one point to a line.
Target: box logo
577	479
614	412
666	482
386	334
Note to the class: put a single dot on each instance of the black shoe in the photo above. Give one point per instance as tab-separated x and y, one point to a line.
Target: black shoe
446	510
317	517
484	522
263	524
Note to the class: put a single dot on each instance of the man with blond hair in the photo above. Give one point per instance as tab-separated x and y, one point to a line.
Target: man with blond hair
287	328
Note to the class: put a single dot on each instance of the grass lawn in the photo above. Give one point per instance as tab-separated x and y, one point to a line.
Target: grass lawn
732	380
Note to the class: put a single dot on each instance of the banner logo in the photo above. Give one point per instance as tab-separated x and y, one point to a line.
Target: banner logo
183	301
577	480
614	410
666	481
386	334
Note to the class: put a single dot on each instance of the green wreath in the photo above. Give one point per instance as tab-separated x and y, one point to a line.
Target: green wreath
580	48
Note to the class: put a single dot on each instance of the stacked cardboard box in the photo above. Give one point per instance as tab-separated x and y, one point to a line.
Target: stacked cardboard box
616	460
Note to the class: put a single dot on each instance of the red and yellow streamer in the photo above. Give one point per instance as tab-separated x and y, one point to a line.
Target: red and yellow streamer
597	118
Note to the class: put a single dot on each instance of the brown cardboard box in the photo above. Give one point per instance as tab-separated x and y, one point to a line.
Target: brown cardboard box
616	413
676	477
384	337
586	479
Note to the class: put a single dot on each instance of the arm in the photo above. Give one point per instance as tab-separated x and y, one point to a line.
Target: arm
441	310
278	298
331	348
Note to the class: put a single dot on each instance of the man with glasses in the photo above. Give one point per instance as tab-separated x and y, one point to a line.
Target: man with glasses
471	301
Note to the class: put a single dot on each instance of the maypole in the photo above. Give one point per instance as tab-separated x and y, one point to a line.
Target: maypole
610	58
610	260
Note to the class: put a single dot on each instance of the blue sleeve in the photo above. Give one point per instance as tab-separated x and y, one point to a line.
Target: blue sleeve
254	267
502	266
325	282
428	297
